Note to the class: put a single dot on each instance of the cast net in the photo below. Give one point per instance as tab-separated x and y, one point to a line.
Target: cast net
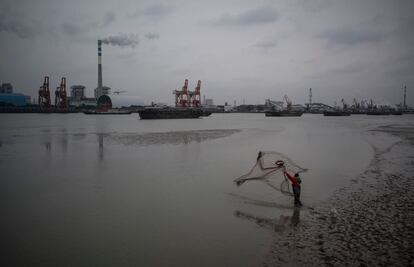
269	168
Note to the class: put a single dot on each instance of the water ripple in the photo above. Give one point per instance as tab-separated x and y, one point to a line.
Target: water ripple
161	138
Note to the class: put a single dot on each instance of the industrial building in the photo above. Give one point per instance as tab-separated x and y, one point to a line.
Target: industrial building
16	100
104	90
8	98
77	92
77	97
6	88
101	90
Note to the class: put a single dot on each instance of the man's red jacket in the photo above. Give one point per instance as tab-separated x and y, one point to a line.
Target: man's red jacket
293	180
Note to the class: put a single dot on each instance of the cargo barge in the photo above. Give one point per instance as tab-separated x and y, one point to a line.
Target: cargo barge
37	109
284	113
336	113
151	113
108	112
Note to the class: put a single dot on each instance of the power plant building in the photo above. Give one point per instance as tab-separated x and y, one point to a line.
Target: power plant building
104	90
100	90
77	97
77	92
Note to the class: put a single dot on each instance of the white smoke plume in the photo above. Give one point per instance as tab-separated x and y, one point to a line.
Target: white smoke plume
122	40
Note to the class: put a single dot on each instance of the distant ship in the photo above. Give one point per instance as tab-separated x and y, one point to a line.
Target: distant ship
284	113
187	106
107	112
336	113
151	113
384	112
276	109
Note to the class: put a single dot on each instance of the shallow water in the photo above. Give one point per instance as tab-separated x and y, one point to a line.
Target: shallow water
116	190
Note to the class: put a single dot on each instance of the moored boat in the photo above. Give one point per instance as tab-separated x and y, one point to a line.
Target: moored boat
108	112
336	113
378	112
283	113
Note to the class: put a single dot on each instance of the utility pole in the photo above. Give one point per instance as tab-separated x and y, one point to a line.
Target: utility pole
405	97
310	99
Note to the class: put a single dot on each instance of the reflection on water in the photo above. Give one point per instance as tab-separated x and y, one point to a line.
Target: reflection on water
107	189
78	136
257	202
64	140
101	147
48	146
277	224
161	138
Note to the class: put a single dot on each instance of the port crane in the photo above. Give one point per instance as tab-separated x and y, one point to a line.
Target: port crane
273	105
44	94
288	102
186	98
61	100
278	105
195	98
181	96
344	104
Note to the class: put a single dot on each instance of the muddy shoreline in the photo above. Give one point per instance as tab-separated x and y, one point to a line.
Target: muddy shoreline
368	223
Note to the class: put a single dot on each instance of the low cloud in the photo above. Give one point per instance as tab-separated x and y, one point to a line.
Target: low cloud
265	45
122	40
108	19
152	36
405	30
158	10
262	15
349	69
77	29
72	29
350	37
20	28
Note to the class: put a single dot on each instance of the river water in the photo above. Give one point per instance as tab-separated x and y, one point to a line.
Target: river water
81	190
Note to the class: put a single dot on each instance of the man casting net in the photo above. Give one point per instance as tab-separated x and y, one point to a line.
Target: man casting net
272	168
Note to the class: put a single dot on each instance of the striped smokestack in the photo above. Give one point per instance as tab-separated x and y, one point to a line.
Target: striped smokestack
99	89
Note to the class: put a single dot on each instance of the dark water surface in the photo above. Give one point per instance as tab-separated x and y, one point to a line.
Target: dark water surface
82	190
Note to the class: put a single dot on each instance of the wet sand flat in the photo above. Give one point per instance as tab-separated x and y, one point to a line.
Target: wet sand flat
369	223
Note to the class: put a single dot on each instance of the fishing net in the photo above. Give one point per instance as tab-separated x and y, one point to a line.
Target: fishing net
269	168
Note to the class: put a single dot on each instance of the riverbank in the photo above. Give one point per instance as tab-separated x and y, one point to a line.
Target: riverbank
369	223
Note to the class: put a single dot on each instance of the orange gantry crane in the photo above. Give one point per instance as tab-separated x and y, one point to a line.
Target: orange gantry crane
186	98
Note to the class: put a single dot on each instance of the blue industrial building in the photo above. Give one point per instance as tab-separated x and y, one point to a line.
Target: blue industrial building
17	100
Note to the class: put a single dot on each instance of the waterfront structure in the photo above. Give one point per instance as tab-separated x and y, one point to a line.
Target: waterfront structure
77	97
101	90
227	108
14	99
6	88
209	102
105	90
8	98
104	103
77	92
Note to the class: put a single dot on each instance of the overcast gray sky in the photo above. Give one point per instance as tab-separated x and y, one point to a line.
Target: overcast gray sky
250	50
